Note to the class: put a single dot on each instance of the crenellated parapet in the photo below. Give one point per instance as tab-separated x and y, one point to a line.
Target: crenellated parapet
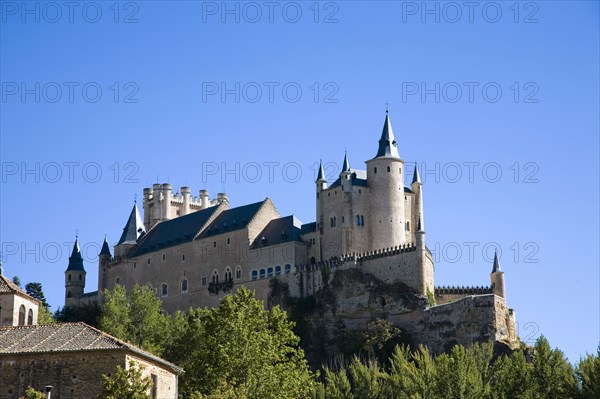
462	290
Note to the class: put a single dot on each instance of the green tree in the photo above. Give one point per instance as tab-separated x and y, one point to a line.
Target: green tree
136	317
377	337
88	313
553	376
44	316
31	393
35	290
17	281
511	378
588	376
126	383
245	346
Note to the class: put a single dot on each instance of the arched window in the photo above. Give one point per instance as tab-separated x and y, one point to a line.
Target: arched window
288	268
30	317
228	276
261	274
254	274
215	277
362	220
407	226
164	290
358	220
22	315
277	270
184	285
270	272
238	272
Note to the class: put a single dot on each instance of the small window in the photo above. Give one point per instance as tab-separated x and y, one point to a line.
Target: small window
118	280
69	295
262	273
254	274
407	226
215	277
228	241
389	169
203	281
30	317
69	277
148	260
375	170
288	268
182	257
184	285
400	170
164	290
270	272
80	277
228	276
238	273
214	244
362	220
164	257
277	270
134	265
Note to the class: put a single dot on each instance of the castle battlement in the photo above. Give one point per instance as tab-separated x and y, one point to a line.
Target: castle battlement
462	290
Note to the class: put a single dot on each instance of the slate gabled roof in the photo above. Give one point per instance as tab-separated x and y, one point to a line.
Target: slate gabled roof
174	232
358	177
232	219
66	337
279	231
308	228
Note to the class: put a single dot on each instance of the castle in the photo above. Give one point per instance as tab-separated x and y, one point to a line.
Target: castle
366	250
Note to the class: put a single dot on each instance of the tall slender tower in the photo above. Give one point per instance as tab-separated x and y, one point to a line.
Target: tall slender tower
497	277
417	212
321	185
74	277
386	185
103	261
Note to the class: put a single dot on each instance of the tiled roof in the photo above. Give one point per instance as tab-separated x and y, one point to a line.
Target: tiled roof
278	231
7	286
232	219
65	337
175	231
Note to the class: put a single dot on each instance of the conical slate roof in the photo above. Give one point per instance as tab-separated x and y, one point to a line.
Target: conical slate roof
76	260
346	164
105	248
133	228
496	267
387	143
321	174
416	175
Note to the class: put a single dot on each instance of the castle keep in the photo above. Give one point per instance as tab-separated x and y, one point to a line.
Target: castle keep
365	253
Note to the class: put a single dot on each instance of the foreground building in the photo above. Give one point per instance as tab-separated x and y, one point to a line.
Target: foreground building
71	357
363	257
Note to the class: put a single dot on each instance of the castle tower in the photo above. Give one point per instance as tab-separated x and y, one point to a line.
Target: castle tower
497	277
104	258
346	206
74	277
321	185
386	186
417	216
131	232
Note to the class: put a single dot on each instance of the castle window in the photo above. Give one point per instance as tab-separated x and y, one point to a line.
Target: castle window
277	270
203	281
134	265
389	169
254	274
362	220
407	226
22	315
69	277
214	244
30	317
317	195
228	241
288	268
182	257
400	170
164	290
80	277
148	260
215	277
342	219
228	276
270	272
118	280
164	257
184	285
359	191
69	295
375	170
261	274
238	272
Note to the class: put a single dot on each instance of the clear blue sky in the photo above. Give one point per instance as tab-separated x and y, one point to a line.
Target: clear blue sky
162	114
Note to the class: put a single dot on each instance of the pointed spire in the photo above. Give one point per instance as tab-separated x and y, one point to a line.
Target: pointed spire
321	174
346	164
134	227
76	260
387	142
496	268
416	175
105	248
